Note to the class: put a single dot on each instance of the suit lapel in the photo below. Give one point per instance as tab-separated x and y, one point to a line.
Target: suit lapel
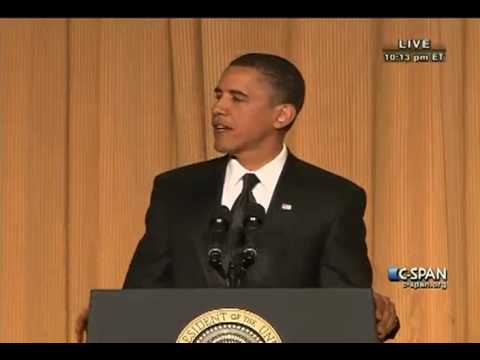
284	189
280	222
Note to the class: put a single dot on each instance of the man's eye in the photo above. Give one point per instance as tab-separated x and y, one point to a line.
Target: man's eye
218	96
236	99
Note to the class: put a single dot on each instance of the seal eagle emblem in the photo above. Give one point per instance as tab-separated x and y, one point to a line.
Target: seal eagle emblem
228	325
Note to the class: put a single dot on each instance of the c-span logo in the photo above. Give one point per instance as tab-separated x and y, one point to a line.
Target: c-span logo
418	277
228	326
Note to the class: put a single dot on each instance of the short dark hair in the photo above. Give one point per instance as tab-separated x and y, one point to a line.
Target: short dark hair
285	78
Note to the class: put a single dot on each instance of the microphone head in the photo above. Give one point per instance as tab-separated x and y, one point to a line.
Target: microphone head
254	215
215	256
249	256
249	253
221	219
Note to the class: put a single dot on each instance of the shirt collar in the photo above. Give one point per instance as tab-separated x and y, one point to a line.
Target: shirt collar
268	174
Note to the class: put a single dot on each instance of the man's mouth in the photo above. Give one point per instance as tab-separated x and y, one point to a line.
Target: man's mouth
221	128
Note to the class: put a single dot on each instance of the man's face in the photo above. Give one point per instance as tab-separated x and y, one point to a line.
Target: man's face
243	115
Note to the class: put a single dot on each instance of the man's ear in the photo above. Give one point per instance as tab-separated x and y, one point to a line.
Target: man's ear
285	116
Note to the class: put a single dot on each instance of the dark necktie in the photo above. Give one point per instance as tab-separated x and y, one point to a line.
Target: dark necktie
238	211
245	197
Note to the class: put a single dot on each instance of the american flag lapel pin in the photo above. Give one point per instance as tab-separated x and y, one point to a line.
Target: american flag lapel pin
286	206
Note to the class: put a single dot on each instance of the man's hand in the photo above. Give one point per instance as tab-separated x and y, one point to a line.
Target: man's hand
81	325
387	319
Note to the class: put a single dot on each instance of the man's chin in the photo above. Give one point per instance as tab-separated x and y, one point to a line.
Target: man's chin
222	148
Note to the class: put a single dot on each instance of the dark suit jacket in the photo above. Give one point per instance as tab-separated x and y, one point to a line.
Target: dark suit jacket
320	242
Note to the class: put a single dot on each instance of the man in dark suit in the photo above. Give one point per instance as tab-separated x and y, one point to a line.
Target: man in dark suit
313	234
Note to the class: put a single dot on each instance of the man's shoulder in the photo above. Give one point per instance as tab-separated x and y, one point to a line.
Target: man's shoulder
317	177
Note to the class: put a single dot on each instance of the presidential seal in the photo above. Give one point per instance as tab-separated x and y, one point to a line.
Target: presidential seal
228	326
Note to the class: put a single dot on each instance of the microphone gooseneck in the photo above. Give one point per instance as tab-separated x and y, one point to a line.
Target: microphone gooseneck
219	225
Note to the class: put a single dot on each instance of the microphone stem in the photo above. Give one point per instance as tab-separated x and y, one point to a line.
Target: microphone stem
232	279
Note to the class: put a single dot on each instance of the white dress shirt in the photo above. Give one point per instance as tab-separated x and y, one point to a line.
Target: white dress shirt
263	191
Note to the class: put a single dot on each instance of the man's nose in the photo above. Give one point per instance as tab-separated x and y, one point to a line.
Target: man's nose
219	107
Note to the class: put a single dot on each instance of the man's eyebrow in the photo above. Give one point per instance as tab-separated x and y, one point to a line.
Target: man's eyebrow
231	91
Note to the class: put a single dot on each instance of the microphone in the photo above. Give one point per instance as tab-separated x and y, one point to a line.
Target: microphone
219	224
254	218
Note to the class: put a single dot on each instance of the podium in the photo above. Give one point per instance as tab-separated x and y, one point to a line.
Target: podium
232	315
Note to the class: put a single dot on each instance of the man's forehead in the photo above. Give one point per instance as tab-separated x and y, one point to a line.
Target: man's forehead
240	77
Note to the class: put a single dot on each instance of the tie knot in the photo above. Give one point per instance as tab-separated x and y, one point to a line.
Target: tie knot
249	182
